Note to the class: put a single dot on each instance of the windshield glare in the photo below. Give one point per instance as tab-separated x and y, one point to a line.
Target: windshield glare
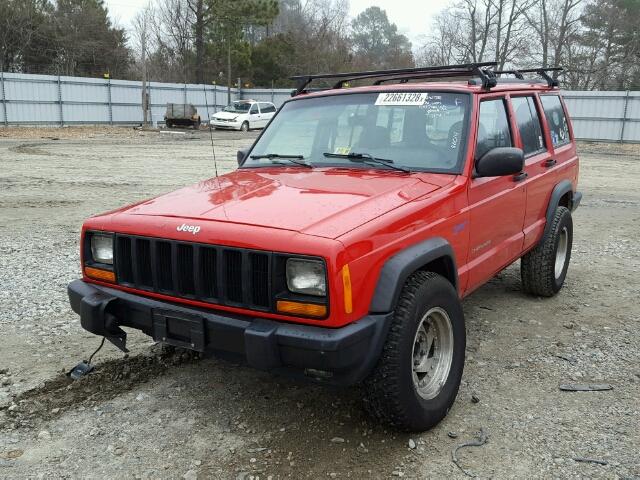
421	131
238	107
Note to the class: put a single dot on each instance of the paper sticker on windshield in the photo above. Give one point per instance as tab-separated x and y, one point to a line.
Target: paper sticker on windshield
401	99
342	150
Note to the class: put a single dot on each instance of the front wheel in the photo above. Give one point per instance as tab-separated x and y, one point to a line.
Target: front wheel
245	126
418	374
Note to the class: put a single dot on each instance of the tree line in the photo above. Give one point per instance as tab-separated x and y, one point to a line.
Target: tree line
597	42
264	42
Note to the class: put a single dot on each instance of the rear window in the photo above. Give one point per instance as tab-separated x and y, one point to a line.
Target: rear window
556	119
528	124
267	108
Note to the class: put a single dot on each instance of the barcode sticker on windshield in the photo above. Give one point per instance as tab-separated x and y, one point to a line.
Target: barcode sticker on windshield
401	99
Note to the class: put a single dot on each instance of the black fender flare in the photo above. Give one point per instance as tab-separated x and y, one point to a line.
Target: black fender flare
397	269
558	192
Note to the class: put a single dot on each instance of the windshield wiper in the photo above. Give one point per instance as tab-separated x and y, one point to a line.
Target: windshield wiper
291	158
366	158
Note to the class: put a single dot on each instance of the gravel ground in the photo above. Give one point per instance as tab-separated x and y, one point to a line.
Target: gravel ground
159	413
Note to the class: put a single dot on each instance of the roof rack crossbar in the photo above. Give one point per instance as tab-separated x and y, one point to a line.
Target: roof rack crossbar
417	76
480	69
543	72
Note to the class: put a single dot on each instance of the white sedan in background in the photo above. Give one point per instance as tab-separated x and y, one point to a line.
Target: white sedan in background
244	115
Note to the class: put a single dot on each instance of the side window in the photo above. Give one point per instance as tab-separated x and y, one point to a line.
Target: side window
529	124
267	108
254	109
493	127
558	127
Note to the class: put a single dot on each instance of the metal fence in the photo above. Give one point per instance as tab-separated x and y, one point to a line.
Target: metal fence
605	116
58	100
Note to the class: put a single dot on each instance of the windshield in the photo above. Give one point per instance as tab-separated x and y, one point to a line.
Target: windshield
421	131
238	107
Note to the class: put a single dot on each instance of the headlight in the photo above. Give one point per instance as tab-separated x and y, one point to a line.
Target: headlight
306	277
102	248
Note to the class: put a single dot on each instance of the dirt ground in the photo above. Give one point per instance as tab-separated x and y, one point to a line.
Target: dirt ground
162	414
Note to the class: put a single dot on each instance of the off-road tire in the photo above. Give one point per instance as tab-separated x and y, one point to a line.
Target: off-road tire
244	127
537	267
390	394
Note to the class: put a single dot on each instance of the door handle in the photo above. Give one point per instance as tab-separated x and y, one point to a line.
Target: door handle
520	176
549	163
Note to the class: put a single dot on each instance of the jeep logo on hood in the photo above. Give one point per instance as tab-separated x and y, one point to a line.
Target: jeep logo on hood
188	228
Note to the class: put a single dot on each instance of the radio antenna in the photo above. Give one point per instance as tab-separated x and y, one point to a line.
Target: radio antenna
213	149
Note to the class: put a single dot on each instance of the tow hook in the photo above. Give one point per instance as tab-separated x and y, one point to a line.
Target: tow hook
116	335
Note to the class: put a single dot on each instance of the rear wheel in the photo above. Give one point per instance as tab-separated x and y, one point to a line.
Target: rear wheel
418	374
544	269
245	126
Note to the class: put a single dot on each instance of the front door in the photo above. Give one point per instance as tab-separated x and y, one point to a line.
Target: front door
254	117
496	204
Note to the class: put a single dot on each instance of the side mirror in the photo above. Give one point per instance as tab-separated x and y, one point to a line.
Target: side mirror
241	156
500	161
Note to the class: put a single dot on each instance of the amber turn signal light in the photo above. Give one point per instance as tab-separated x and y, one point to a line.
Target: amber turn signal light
346	283
99	274
301	309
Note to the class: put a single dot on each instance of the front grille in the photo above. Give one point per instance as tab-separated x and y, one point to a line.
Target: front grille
209	273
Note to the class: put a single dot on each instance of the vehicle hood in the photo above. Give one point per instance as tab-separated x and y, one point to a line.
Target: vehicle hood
227	115
320	202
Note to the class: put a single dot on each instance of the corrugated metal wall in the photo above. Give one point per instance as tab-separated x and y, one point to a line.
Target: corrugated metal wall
605	116
49	99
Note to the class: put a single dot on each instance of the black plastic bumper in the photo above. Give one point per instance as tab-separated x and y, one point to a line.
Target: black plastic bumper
340	356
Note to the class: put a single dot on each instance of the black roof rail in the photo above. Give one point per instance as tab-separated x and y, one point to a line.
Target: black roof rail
552	82
483	70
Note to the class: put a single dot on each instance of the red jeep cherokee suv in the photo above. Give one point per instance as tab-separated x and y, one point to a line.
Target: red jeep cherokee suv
341	247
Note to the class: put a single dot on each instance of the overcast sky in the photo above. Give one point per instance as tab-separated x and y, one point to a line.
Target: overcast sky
411	16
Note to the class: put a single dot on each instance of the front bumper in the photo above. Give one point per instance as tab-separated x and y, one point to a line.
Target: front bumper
229	125
339	356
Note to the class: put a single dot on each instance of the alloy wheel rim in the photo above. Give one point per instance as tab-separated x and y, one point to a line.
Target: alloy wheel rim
561	252
432	353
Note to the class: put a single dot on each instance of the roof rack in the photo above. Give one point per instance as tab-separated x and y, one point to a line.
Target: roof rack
484	70
552	82
481	70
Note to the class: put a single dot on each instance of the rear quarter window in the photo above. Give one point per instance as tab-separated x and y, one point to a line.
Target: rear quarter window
557	120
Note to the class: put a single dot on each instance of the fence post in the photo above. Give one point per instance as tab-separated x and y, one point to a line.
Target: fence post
272	92
239	88
4	100
184	94
624	116
60	102
109	99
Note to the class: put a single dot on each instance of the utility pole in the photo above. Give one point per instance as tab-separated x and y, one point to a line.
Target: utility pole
145	97
228	69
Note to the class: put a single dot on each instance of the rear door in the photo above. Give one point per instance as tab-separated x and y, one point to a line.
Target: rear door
496	204
540	166
561	137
